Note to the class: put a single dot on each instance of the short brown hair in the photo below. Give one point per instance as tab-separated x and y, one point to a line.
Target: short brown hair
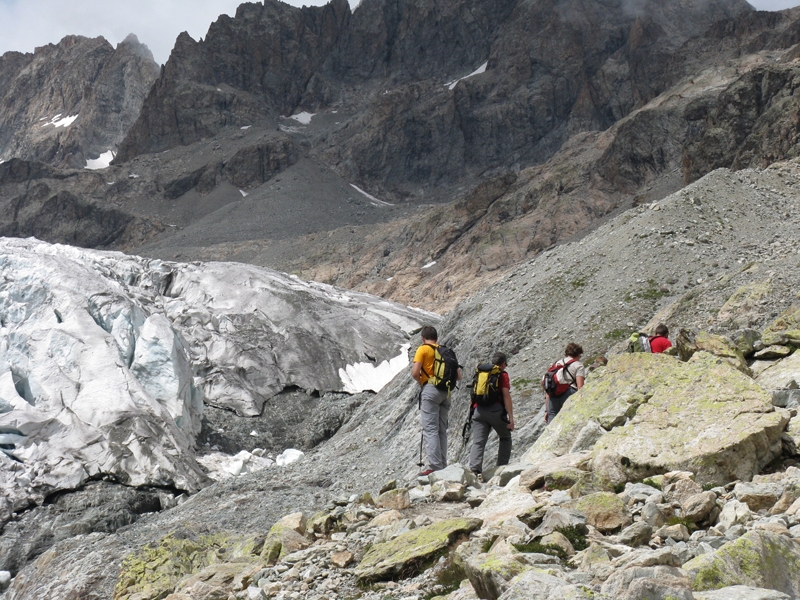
429	333
573	350
662	330
499	358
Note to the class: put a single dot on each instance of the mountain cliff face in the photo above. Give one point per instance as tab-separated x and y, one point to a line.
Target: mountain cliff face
69	103
536	118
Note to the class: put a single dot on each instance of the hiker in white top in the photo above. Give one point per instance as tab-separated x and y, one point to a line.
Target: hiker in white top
574	373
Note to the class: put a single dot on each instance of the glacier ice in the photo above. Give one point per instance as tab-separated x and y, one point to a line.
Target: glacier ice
106	360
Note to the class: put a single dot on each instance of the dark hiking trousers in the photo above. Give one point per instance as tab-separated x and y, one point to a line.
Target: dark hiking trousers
556	403
484	420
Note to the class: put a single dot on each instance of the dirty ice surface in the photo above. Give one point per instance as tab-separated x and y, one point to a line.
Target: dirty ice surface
107	360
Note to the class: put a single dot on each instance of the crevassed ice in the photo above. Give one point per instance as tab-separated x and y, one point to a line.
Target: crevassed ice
101	162
365	376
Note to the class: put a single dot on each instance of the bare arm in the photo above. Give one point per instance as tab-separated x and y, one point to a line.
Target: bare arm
416	371
509	407
579	381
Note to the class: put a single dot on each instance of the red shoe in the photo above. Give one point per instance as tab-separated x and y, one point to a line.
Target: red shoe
425	473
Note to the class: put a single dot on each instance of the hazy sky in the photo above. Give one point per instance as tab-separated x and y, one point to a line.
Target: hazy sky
26	24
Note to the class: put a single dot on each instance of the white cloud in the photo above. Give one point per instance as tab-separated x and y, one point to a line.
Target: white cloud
26	24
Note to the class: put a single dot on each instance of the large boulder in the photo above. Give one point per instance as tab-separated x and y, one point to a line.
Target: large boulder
785	329
409	551
759	559
702	416
782	374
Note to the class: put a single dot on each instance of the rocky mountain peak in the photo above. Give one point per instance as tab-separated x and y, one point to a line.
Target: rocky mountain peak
70	102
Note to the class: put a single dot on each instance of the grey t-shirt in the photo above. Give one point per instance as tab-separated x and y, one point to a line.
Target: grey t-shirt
574	370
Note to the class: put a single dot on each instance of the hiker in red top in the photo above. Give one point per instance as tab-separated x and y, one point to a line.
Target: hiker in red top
660	341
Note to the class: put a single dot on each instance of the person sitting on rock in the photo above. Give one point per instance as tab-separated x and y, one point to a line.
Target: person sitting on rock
573	373
498	416
660	341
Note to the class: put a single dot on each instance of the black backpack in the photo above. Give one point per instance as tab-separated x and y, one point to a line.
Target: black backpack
486	385
445	368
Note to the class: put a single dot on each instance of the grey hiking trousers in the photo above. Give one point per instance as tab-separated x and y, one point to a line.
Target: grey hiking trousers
434	410
484	420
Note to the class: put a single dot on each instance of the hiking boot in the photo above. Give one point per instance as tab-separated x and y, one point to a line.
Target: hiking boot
425	473
478	476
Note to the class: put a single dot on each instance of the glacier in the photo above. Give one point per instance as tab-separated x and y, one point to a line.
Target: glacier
107	360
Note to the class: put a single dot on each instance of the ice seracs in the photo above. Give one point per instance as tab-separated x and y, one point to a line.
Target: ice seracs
106	360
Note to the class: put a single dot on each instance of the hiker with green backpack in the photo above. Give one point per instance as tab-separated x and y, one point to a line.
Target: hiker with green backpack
491	409
437	370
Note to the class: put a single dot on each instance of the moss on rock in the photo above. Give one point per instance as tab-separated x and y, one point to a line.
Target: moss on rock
154	571
409	551
758	559
702	416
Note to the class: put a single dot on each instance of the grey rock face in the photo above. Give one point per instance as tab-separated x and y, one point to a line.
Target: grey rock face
79	77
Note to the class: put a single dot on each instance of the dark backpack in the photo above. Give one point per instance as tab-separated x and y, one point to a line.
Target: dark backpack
486	385
639	342
551	382
445	368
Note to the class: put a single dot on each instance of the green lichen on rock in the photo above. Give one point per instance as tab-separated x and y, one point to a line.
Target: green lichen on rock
154	570
604	511
757	559
702	416
788	320
409	551
744	302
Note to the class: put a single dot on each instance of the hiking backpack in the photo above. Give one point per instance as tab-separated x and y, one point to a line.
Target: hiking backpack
639	342
486	385
552	381
445	368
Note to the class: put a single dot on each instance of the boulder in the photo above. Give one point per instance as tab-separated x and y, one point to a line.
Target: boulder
559	539
534	584
678	486
284	537
510	501
785	329
397	499
698	507
759	559
386	518
604	511
491	573
341	559
677	532
658	582
734	513
558	517
410	551
773	352
454	473
534	477
652	515
782	374
448	491
587	437
688	343
702	416
758	496
741	592
635	535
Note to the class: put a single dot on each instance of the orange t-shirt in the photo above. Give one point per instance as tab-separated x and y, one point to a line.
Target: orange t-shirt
425	355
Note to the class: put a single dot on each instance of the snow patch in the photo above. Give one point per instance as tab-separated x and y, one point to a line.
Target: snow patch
57	122
303	117
246	127
365	376
101	162
243	193
429	265
375	201
478	71
289	456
